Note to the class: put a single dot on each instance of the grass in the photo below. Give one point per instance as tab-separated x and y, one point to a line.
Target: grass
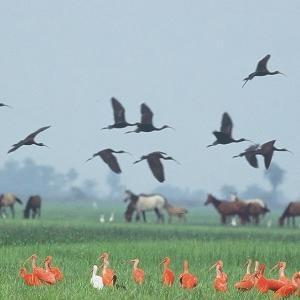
73	235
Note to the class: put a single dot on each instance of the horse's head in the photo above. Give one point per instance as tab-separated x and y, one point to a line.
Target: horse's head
128	213
128	196
209	199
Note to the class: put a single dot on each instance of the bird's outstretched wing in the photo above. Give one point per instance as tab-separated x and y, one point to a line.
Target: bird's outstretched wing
147	114
34	134
226	124
262	64
109	158
4	105
16	146
250	155
156	167
119	111
267	152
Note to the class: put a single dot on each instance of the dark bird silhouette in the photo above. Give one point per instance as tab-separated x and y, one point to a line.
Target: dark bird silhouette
109	158
29	140
146	124
5	105
224	136
261	70
155	164
266	150
119	115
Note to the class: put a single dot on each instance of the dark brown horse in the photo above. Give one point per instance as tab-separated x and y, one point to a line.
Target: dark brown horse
8	200
292	210
131	207
254	210
34	205
228	208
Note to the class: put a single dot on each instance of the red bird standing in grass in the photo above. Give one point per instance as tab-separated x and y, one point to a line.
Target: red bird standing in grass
220	282
109	276
281	268
44	275
29	278
290	288
187	280
54	270
138	274
168	275
247	283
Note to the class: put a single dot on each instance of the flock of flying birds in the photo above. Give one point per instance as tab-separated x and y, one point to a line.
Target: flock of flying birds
224	136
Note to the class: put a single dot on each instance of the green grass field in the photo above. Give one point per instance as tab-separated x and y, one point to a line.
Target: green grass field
73	235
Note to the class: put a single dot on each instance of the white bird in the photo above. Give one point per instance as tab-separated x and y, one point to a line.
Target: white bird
96	280
233	221
111	218
269	224
102	219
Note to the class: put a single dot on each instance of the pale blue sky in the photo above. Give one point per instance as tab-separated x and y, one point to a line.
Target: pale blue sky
61	61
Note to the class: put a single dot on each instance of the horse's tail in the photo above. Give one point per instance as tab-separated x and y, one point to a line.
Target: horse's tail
19	200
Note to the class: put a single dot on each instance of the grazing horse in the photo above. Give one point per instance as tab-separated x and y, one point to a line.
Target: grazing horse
8	200
178	212
228	208
143	203
33	205
292	210
254	208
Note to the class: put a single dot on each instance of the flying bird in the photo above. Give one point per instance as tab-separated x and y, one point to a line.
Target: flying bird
109	158
29	140
261	70
266	150
5	105
155	164
119	115
146	124
224	136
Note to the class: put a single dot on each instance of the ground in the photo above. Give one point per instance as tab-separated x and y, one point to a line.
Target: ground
72	234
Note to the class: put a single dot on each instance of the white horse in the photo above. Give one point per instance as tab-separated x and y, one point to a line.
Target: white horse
8	200
142	203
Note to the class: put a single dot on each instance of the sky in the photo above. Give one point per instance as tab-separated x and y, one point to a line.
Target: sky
62	61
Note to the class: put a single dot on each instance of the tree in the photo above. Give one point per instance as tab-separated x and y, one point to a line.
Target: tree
275	175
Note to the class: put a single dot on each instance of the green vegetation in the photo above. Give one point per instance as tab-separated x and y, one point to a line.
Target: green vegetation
73	235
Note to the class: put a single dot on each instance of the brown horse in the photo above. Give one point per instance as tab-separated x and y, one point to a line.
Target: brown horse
33	204
129	211
228	208
178	212
254	211
292	210
8	200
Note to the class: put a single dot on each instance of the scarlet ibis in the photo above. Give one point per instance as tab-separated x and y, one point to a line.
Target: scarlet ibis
187	280
55	270
107	156
220	282
29	140
138	274
261	70
247	282
109	276
290	288
29	278
168	276
155	164
119	115
281	268
146	124
96	280
43	274
266	150
224	136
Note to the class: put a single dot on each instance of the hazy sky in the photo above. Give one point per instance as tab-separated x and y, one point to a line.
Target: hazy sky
62	61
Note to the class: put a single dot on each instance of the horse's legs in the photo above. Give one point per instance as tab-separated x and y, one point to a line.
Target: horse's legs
288	221
170	218
144	216
223	219
294	223
39	212
12	211
137	217
156	210
256	218
33	213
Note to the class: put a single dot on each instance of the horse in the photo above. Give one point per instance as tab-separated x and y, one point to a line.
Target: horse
179	212
34	205
143	203
228	208
8	200
292	210
254	208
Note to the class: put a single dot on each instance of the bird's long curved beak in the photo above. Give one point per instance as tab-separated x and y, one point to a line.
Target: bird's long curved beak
283	74
212	267
137	161
128	153
171	127
272	269
129	131
89	159
249	141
